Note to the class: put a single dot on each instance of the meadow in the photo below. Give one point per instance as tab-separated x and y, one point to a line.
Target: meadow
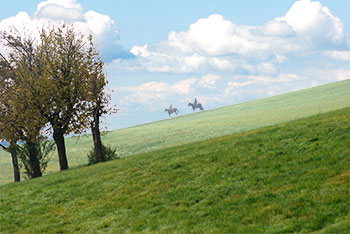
203	125
292	177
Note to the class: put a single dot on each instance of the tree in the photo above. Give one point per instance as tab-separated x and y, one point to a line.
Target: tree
61	81
20	121
62	100
76	76
11	149
98	99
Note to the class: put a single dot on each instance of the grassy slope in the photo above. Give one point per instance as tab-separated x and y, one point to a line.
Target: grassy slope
206	125
292	177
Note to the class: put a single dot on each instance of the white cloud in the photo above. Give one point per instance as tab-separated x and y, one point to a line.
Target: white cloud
279	58
20	21
210	89
264	80
315	22
65	3
101	26
338	55
154	61
157	91
278	28
222	63
214	36
280	78
67	10
141	51
329	75
266	68
289	77
234	84
209	81
183	87
216	44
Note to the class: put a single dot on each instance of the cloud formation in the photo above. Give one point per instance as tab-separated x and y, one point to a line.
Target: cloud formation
211	89
214	43
228	63
155	91
67	10
102	27
338	55
315	23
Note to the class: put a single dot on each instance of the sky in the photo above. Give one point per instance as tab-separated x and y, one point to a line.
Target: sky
220	52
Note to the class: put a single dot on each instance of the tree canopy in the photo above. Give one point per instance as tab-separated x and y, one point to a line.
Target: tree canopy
51	84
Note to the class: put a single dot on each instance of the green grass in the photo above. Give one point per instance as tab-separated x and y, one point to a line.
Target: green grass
290	178
204	125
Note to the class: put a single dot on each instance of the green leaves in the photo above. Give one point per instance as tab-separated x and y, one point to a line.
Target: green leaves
44	147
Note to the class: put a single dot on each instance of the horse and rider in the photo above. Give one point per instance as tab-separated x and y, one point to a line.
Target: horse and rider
171	110
194	106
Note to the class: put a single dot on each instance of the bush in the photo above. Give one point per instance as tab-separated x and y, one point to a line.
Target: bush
44	148
109	153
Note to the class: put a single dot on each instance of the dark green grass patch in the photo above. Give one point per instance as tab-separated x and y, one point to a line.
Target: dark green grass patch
289	178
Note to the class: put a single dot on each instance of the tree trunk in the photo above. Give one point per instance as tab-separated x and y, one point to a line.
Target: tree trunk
33	158
58	136
16	172
96	135
13	152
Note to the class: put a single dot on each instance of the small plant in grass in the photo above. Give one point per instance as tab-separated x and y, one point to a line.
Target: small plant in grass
43	147
108	152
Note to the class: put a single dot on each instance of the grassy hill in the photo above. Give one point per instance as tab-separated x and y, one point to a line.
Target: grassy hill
205	125
289	178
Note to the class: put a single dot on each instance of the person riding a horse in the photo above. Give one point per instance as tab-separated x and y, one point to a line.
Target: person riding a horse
171	110
195	105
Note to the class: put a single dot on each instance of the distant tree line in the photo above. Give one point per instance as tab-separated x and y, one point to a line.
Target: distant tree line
53	85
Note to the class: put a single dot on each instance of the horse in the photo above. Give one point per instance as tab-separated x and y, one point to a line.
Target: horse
195	106
172	110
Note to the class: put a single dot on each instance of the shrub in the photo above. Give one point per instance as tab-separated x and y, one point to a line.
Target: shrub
44	148
109	153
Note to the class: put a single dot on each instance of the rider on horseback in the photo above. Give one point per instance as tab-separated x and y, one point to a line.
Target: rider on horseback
172	110
195	105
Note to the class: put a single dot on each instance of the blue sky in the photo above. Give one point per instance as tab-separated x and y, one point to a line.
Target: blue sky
221	52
